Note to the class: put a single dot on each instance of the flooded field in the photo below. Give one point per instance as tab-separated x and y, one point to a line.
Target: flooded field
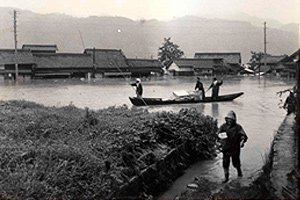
258	110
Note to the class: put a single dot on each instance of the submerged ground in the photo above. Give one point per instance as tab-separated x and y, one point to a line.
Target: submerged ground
278	179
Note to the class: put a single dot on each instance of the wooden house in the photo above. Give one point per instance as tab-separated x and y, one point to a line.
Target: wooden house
232	60
40	48
63	65
271	61
287	67
192	66
145	67
25	62
109	62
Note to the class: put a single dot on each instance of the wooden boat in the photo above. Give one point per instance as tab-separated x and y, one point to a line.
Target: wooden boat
184	100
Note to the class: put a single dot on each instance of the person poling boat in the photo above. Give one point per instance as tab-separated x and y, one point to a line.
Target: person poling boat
139	88
215	85
199	87
138	84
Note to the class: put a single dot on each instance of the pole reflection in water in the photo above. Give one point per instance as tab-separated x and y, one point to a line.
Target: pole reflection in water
215	110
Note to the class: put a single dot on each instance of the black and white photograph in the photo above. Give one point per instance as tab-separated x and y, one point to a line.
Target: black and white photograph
149	99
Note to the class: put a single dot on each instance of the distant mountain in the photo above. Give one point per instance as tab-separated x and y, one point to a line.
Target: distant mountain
292	27
255	21
143	38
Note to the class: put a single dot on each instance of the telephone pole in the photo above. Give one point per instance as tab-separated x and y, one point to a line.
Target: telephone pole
265	44
94	63
16	46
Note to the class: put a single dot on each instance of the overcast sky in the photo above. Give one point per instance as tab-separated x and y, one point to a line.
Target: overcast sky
285	11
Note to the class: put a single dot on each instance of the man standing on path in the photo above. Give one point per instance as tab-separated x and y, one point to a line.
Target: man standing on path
232	142
215	88
199	87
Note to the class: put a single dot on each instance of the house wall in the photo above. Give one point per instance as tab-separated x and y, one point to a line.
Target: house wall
182	73
203	72
173	67
138	72
63	65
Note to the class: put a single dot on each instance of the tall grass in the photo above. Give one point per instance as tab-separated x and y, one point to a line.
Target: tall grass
72	153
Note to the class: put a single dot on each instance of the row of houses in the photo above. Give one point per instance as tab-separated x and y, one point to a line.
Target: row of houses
42	61
208	64
279	65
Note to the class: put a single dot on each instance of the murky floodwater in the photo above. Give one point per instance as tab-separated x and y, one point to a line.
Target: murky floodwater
257	110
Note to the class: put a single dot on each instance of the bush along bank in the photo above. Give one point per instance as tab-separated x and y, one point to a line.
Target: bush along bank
72	153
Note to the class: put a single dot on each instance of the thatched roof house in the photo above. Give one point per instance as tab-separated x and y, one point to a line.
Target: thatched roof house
109	62
288	65
232	60
228	57
144	67
192	66
271	61
25	62
63	64
7	57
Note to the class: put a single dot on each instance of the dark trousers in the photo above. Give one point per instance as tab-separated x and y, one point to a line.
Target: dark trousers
203	94
235	160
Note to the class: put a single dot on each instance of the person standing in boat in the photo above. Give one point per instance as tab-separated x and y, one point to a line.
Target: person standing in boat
139	88
233	138
215	85
199	87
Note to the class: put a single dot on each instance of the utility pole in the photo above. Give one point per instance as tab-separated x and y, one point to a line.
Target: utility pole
265	45
94	63
16	45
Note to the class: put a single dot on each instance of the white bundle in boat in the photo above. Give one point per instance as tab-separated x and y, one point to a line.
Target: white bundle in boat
181	93
196	95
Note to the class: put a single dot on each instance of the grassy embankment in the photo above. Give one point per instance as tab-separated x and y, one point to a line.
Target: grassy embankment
72	153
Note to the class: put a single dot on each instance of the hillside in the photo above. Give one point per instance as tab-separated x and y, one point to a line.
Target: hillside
142	38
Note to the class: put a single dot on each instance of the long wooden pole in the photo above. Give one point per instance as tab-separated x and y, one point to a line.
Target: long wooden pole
265	45
298	107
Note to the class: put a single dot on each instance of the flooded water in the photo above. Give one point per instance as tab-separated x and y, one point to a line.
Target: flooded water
257	110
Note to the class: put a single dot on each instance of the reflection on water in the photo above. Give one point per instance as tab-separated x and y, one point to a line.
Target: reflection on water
215	110
257	110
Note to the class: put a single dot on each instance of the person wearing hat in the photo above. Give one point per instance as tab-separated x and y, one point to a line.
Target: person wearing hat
233	141
199	87
215	88
139	88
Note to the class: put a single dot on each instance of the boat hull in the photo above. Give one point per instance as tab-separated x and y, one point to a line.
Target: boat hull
159	101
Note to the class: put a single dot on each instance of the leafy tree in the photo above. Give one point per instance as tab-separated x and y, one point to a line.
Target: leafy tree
256	59
168	52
